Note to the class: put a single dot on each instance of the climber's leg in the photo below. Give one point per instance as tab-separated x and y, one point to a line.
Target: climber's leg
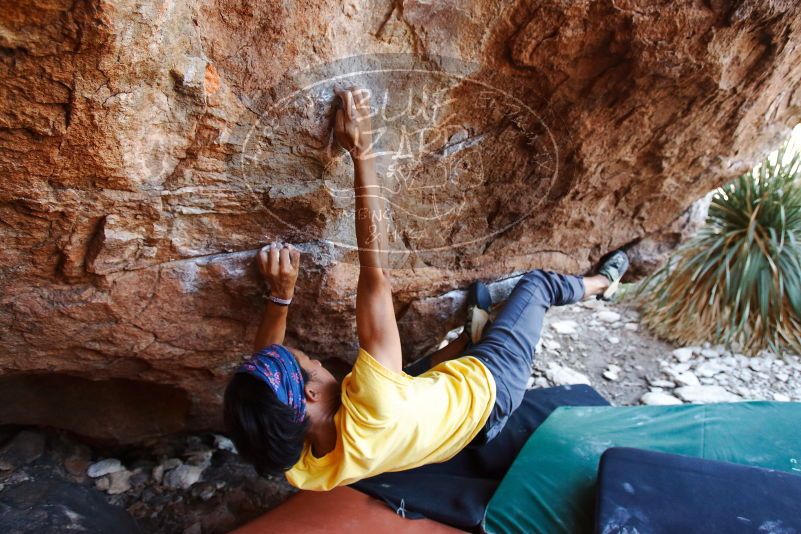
450	351
418	367
508	345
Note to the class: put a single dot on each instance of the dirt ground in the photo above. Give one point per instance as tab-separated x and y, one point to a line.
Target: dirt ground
598	344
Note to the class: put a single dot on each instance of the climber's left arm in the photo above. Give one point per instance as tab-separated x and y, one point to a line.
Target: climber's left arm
279	266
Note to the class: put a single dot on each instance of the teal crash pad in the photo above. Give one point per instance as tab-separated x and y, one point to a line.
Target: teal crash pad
550	487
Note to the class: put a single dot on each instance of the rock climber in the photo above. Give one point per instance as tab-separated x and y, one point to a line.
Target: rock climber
286	413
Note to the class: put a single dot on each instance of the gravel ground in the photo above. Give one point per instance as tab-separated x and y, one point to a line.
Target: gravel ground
604	345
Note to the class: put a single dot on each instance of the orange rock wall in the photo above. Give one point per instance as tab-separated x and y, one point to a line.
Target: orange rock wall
135	192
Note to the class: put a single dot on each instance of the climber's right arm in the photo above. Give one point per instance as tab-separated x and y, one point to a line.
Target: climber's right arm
375	314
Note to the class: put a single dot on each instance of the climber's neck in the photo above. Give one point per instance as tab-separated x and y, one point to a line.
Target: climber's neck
323	432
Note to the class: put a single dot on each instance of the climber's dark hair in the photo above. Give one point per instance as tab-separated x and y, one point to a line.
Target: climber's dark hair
261	426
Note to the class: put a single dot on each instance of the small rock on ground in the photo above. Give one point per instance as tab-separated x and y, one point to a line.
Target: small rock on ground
565	376
612	372
658	398
706	394
709	369
608	316
709	353
687	378
104	467
183	476
683	354
565	327
224	444
115	483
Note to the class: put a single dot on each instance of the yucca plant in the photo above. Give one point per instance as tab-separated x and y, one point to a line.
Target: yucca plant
739	279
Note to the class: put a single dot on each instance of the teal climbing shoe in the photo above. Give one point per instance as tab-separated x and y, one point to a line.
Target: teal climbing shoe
613	268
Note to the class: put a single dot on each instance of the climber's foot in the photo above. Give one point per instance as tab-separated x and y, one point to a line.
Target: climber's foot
479	303
613	269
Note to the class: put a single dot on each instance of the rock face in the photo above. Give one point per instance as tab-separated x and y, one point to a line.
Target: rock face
148	148
653	250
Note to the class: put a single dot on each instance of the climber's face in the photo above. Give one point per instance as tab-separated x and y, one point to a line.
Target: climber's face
312	367
322	386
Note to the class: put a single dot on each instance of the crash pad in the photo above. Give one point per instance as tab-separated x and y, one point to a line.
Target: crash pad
456	492
339	510
640	491
550	487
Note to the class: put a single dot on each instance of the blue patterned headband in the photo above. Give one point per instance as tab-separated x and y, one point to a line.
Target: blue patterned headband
276	367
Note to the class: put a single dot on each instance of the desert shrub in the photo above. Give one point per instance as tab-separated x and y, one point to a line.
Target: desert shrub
739	279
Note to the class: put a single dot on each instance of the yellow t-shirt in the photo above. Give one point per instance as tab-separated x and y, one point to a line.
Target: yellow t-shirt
392	422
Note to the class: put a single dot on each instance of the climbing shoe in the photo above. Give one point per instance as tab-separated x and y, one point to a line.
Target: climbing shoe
479	303
613	268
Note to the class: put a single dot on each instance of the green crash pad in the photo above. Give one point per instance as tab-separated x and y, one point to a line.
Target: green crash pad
550	487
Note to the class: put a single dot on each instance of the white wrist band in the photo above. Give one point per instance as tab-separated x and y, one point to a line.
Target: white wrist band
280	301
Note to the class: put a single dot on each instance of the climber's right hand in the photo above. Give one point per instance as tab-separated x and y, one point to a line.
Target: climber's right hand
352	128
279	265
